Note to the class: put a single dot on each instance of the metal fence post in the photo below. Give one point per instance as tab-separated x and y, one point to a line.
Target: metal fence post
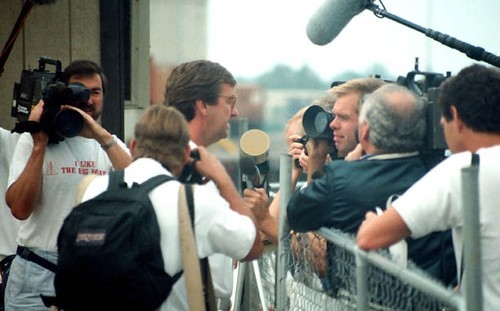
283	247
361	281
471	259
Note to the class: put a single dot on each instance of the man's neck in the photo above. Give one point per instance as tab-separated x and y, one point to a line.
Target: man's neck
196	134
477	141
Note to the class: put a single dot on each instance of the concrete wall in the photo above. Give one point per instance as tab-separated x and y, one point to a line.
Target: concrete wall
166	32
66	30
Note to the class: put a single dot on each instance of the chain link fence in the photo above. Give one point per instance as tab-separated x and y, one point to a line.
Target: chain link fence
323	275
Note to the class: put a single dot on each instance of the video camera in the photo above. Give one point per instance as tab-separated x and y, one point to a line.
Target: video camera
426	85
50	86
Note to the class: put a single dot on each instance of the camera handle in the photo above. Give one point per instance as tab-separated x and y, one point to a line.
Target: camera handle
45	60
474	52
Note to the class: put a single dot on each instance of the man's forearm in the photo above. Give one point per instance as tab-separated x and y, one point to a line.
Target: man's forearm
228	191
118	156
22	195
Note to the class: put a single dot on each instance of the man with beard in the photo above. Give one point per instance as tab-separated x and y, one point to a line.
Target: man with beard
42	187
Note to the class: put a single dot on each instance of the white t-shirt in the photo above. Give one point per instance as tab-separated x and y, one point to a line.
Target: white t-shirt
221	266
8	223
435	203
64	165
218	229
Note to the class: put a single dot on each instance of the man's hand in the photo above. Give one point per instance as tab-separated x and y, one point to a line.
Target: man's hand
40	137
36	112
355	154
118	156
258	201
318	150
210	167
91	128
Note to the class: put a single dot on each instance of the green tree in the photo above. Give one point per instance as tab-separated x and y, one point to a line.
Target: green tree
284	77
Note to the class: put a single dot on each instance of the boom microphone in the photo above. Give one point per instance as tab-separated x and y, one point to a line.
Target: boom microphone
251	171
331	18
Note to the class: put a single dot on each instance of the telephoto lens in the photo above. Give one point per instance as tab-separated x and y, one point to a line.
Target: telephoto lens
316	122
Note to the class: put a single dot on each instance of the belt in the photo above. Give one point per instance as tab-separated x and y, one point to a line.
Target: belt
29	255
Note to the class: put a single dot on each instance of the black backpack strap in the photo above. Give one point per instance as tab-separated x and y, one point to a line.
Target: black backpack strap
115	179
155	181
149	185
190	202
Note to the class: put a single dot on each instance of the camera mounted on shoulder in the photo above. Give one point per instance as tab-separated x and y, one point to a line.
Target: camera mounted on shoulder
50	86
426	85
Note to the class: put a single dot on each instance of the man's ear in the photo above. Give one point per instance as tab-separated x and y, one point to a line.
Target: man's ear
201	106
187	154
133	145
456	118
363	131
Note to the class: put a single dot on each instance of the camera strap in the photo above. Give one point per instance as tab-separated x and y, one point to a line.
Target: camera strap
27	126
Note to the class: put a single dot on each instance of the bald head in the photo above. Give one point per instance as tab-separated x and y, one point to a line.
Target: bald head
396	119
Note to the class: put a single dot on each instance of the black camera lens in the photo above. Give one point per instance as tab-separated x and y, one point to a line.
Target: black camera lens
316	122
74	94
68	123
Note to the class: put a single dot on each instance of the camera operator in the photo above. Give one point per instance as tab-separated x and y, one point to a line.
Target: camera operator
43	179
342	103
8	224
470	104
391	130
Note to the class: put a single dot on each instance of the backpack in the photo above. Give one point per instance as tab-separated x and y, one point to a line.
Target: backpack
109	251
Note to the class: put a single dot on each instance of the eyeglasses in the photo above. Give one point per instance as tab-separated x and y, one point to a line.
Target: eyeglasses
230	100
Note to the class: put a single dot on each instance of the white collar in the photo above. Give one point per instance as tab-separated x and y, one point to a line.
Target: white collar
388	156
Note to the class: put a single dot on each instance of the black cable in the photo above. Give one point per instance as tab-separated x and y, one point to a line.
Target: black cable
28	5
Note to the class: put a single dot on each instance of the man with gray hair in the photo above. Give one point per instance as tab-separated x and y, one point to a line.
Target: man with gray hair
391	130
470	103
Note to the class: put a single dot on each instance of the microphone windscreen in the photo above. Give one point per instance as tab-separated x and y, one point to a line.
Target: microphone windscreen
255	143
331	18
247	166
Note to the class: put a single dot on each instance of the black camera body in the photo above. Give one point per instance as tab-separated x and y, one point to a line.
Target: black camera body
303	140
189	174
42	84
426	85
